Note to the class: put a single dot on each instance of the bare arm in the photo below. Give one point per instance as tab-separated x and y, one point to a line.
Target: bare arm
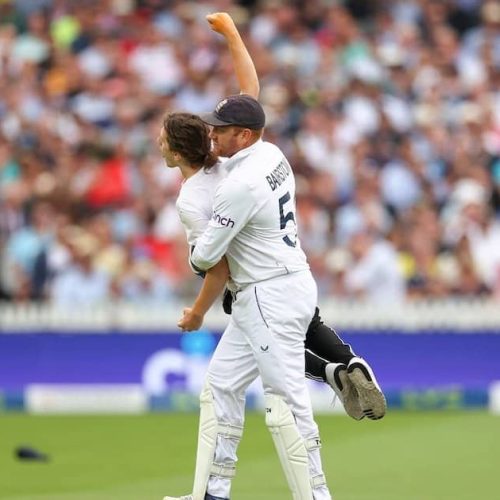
213	284
222	23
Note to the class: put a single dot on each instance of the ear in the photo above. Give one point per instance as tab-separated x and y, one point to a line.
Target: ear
247	135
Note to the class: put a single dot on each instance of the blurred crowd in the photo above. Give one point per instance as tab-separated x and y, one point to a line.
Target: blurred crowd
389	112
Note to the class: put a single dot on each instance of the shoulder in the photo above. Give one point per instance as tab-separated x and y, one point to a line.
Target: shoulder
203	184
234	189
264	151
232	186
218	170
186	202
263	157
194	205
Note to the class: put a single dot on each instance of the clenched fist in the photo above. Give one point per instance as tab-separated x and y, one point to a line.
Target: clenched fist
221	22
190	321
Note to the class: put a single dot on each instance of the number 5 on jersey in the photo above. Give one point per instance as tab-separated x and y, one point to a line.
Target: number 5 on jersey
285	218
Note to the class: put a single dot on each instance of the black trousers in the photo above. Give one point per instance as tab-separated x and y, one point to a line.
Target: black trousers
323	345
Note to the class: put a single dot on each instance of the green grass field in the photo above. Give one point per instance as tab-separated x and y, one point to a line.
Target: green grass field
405	456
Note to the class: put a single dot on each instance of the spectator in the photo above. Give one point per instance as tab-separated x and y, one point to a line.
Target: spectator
374	273
24	247
144	283
81	284
389	112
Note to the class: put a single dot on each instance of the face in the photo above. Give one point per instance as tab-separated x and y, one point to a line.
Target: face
171	158
227	141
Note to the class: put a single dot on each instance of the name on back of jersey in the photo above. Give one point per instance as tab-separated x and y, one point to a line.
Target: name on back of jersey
278	176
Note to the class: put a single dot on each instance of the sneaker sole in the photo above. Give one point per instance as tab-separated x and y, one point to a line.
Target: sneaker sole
352	407
371	398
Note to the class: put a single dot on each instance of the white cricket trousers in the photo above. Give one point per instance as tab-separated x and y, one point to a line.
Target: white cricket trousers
265	337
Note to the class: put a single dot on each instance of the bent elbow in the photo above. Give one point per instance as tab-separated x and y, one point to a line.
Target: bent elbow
199	264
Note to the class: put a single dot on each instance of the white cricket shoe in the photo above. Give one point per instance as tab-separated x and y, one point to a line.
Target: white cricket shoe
336	375
370	395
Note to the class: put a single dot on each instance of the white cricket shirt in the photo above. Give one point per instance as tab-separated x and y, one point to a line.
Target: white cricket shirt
253	222
195	203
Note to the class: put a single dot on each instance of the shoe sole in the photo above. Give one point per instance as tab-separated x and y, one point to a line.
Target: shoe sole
371	398
352	408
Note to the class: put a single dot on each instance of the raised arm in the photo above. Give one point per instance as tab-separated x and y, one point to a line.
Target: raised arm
222	23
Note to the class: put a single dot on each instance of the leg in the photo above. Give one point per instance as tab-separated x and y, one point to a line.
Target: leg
315	367
212	432
325	343
276	328
350	376
231	371
222	405
327	361
335	375
290	446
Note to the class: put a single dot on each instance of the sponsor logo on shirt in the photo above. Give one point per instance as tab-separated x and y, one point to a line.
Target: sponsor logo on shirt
222	221
279	175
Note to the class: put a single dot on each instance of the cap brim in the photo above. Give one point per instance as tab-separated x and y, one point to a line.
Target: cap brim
211	119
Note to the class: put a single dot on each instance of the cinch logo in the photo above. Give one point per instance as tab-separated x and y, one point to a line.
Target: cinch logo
220	105
223	221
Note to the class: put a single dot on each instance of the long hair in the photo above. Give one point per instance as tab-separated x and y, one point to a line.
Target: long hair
189	136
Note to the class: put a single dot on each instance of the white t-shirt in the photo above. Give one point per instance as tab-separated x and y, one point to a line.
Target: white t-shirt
253	222
195	203
377	275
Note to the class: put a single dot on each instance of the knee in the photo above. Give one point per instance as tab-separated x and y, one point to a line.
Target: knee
278	413
224	389
206	394
229	405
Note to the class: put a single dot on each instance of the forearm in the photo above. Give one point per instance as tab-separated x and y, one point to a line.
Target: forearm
243	65
222	23
213	285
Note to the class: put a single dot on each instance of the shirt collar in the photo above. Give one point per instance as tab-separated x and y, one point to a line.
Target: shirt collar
243	153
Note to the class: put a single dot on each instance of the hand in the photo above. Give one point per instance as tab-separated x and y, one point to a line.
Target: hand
221	22
190	320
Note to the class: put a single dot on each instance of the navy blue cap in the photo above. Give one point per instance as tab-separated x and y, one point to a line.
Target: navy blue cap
240	110
29	453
